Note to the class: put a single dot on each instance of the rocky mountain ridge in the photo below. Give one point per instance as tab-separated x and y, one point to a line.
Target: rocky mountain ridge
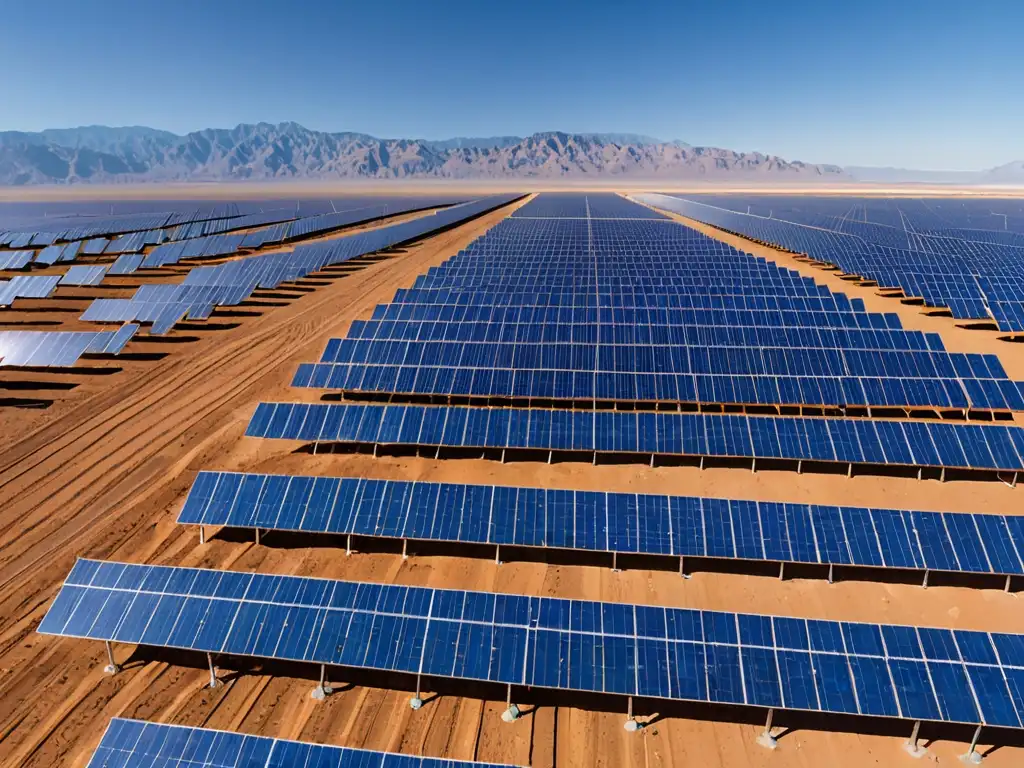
265	151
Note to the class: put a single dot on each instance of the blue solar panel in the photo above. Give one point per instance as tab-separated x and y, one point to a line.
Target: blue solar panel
844	441
629	650
135	744
675	526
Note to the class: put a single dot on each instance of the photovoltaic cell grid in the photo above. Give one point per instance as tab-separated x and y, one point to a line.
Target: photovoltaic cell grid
907	672
843	441
678	526
135	744
944	252
642	310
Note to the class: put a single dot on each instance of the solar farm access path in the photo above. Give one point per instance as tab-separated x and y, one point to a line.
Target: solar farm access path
105	476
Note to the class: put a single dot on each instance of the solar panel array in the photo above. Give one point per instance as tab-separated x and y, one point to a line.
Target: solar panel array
919	673
938	253
230	284
642	309
135	744
624	523
582	298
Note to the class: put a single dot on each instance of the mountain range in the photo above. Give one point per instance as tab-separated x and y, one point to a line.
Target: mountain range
265	151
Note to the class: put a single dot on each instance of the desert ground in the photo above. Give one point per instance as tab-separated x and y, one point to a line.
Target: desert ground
103	471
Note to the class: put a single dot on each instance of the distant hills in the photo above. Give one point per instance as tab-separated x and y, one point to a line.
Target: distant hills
265	151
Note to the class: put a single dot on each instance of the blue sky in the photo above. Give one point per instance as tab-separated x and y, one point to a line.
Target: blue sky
911	83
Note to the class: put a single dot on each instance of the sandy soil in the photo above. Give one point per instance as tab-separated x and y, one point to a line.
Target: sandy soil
103	473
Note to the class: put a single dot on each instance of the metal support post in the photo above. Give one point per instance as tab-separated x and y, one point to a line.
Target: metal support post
511	713
405	549
631	723
782	571
766	739
702	462
682	568
925	582
652	461
214	682
375	450
202	534
1007	587
497	554
595	458
753	466
912	747
615	562
942	475
830	573
112	667
1013	483
549	456
973	757
849	470
324	689
348	544
502	455
257	536
799	466
920	471
416	702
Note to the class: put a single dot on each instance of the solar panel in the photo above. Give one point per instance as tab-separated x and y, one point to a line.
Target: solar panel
84	275
834	440
622	523
916	673
136	744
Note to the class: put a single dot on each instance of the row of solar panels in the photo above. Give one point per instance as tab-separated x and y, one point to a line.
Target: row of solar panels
664	335
136	744
732	389
624	523
518	296
59	349
483	313
833	440
916	673
697	354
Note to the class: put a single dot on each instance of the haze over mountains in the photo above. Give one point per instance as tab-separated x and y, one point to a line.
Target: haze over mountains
263	151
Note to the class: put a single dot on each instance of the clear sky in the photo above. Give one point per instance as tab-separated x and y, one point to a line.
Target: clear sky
914	83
